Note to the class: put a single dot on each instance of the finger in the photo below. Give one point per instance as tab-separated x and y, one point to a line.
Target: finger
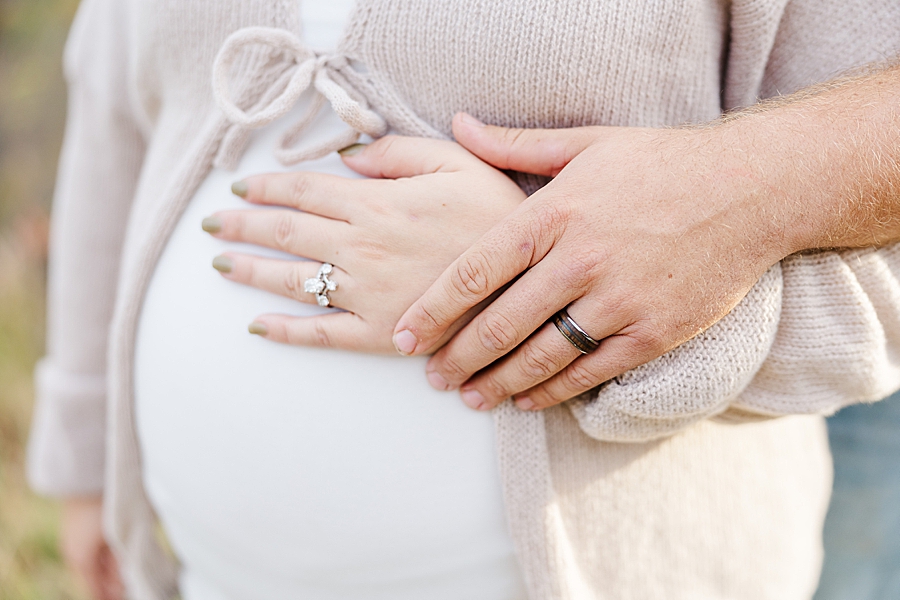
538	151
284	277
326	195
394	156
540	357
342	330
111	582
297	233
615	355
523	308
514	245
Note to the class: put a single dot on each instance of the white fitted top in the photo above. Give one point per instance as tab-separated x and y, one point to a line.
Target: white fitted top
285	472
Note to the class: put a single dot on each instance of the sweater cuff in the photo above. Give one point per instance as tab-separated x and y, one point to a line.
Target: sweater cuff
839	336
68	433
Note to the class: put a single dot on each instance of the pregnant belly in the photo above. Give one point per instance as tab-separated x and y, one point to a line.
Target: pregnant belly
288	472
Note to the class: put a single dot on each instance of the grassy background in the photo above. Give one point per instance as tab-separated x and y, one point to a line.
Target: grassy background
32	113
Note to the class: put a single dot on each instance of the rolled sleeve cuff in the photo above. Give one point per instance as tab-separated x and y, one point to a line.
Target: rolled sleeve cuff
68	433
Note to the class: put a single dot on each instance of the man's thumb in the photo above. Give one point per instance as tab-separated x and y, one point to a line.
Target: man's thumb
538	151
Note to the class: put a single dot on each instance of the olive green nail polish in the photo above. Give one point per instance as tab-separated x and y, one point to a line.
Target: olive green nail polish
212	224
223	264
257	328
240	188
352	149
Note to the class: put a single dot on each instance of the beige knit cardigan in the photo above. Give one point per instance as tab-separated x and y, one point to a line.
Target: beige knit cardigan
693	507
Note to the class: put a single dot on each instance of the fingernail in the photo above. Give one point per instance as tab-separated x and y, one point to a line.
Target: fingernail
257	328
223	264
436	381
470	120
211	224
352	149
473	399
405	342
240	188
525	403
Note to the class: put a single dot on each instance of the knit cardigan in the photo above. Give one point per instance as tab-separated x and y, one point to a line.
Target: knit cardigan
711	497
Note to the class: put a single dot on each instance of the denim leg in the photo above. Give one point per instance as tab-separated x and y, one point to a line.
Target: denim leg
862	531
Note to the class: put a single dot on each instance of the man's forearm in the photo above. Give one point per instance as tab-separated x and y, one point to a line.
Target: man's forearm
825	163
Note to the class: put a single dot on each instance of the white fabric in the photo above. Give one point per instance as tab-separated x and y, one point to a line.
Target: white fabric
285	472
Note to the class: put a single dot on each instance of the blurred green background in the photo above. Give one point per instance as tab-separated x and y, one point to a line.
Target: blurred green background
32	114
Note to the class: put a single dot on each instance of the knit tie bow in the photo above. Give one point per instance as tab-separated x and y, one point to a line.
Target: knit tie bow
330	74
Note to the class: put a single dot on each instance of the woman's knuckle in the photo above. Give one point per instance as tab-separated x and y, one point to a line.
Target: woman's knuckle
234	225
386	143
496	332
299	189
285	232
293	282
322	335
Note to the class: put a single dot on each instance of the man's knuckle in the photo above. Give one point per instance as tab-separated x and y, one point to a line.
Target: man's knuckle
470	276
453	370
494	388
537	363
542	398
647	340
580	377
496	332
580	269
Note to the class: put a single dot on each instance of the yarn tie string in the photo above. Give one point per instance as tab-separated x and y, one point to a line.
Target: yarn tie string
331	75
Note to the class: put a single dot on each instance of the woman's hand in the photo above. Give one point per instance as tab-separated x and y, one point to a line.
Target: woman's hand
641	235
388	237
85	549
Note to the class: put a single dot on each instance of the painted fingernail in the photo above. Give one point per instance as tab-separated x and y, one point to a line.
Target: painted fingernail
352	149
223	264
405	342
257	328
525	403
211	224
473	399
470	120
240	188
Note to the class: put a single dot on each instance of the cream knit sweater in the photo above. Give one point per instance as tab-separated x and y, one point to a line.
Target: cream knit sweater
694	508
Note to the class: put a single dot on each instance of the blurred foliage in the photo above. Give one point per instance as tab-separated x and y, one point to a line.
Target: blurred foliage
32	115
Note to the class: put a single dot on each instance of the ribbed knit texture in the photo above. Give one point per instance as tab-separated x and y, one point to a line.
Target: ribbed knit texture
712	510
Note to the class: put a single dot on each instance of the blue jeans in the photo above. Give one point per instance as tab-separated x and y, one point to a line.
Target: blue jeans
862	531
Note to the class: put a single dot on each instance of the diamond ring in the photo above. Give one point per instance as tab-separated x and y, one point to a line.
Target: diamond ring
320	285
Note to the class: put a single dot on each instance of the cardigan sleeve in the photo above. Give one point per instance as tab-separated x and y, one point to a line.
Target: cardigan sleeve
838	338
817	332
101	158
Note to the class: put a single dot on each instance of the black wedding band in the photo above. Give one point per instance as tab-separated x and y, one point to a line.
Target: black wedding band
577	336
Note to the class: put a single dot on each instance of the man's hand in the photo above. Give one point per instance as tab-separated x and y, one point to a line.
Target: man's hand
86	551
649	236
